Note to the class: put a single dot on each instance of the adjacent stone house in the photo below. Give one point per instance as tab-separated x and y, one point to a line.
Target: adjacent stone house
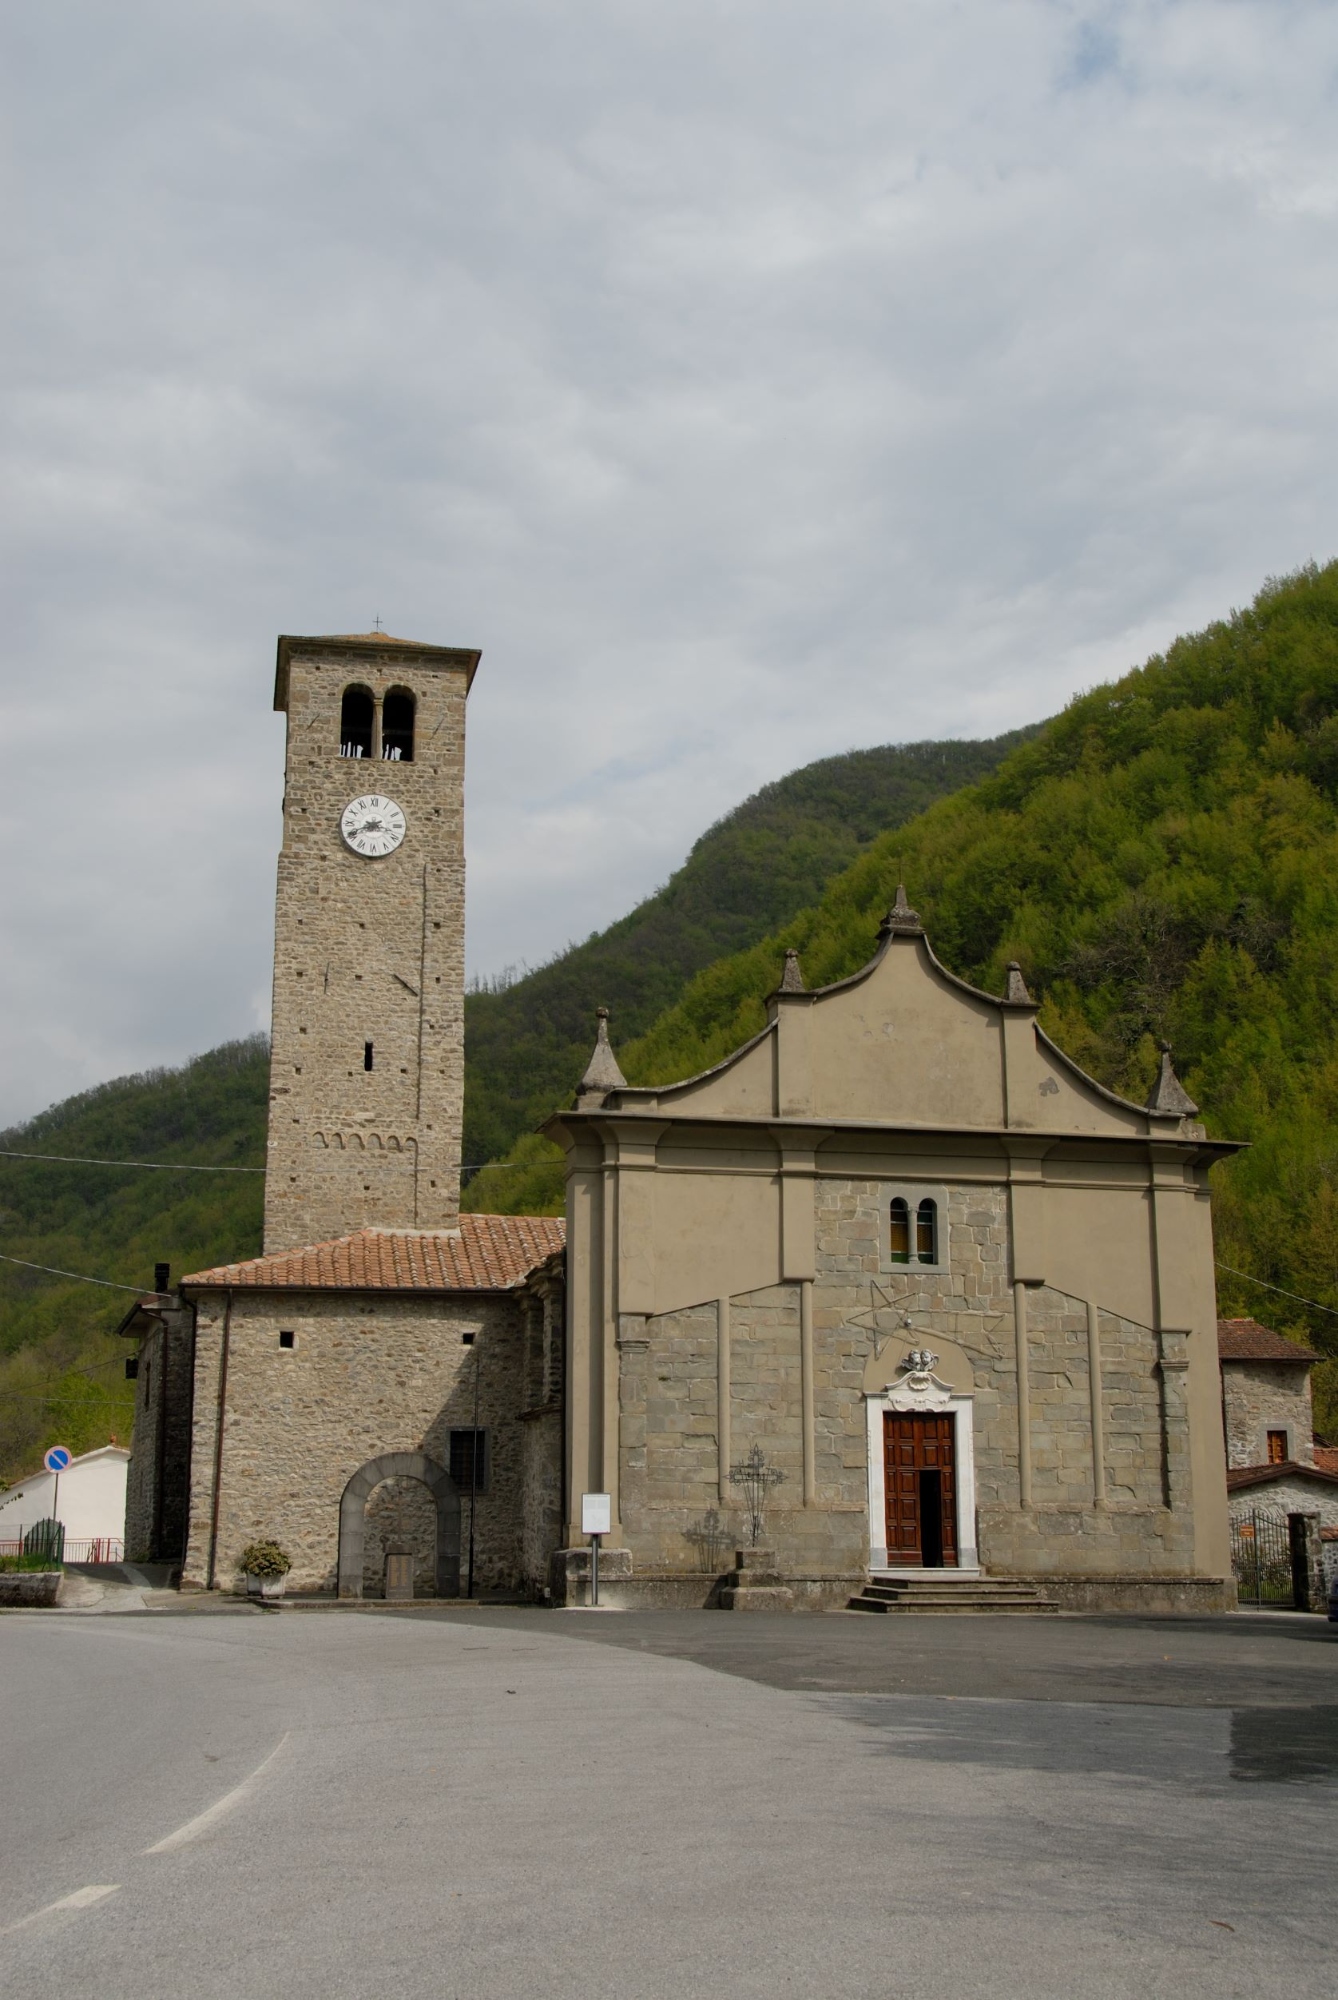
1268	1424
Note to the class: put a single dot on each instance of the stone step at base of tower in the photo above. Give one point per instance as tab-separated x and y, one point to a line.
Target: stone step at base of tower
756	1584
939	1592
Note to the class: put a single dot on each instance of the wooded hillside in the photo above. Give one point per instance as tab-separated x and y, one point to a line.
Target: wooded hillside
62	1375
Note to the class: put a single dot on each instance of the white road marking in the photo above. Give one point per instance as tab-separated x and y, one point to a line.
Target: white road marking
80	1900
212	1814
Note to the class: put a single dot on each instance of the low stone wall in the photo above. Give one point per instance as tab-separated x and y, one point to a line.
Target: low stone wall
622	1589
1150	1596
29	1587
677	1590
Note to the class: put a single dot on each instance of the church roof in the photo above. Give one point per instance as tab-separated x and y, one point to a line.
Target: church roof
489	1253
1246	1340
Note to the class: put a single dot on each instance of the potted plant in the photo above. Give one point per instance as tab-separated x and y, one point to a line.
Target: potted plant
265	1566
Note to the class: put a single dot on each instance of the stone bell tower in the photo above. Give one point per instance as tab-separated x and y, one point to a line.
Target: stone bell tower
367	1064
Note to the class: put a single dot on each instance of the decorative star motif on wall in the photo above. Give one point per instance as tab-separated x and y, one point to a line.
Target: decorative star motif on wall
886	1315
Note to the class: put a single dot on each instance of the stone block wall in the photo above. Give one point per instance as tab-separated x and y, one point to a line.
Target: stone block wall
367	1375
667	1434
670	1451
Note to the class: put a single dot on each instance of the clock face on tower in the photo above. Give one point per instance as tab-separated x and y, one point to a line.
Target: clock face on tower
372	825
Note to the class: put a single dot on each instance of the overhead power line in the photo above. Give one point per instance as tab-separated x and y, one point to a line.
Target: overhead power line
53	1271
153	1166
190	1166
1280	1289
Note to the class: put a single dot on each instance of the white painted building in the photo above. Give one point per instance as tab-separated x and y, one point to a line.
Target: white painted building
90	1504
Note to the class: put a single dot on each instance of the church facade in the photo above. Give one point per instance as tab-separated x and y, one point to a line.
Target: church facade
956	1295
896	1289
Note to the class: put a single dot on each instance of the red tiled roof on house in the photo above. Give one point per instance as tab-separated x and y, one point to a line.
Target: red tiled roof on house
1326	1458
1246	1340
1263	1475
489	1254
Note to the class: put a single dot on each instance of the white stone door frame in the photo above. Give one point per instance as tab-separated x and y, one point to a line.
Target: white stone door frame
960	1408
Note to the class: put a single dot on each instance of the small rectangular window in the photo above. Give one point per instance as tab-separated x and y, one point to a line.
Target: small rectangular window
469	1461
288	1339
132	1368
1277	1447
926	1231
366	1055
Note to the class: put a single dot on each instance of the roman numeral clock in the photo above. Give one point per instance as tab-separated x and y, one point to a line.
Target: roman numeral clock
372	825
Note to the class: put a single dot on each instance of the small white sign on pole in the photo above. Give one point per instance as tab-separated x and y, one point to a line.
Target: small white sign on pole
596	1514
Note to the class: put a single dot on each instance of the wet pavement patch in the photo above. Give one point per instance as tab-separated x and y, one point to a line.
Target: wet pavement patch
1194	1750
1284	1746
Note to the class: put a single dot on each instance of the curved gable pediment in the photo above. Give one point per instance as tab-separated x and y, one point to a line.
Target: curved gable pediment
901	1042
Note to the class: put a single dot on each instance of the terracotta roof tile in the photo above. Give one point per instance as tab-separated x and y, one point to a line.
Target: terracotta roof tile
1246	1340
490	1253
1326	1458
376	638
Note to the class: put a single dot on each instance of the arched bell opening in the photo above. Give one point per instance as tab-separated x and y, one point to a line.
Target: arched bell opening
357	722
397	720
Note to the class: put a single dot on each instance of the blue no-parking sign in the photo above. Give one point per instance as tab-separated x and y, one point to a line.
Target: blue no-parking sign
57	1458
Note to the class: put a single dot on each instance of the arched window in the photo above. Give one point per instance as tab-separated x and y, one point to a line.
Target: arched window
397	727
355	723
901	1232
926	1231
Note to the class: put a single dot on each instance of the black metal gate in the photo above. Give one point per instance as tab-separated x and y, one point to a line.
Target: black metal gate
1269	1569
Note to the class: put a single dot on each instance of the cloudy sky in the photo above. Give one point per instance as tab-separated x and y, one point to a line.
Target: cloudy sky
750	380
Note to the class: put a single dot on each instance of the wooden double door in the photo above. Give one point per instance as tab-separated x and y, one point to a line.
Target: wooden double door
919	1480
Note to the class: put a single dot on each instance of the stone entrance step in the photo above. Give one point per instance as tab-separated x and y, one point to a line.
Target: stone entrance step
940	1592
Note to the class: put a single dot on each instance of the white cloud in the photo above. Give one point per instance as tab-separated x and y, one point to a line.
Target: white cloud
750	382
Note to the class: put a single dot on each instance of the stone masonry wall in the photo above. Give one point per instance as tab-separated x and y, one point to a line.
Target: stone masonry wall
367	1375
1287	1496
1258	1397
160	1448
541	1497
669	1466
141	1478
368	950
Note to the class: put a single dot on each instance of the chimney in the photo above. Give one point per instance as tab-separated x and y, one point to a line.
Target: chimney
162	1277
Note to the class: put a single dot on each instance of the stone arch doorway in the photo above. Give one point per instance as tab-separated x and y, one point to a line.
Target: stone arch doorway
353	1517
